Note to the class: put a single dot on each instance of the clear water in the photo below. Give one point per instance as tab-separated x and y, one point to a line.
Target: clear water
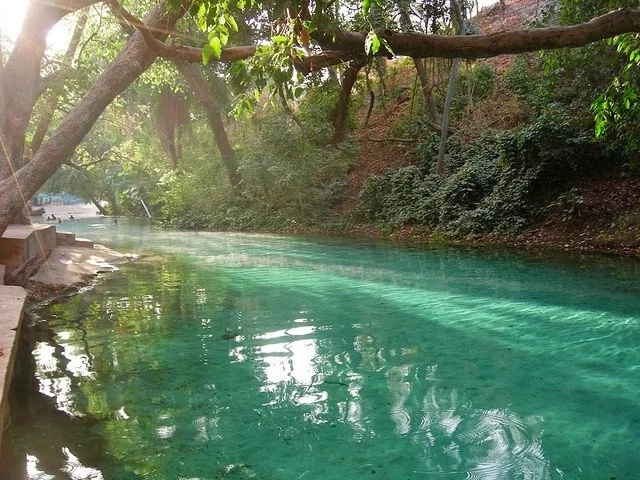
224	356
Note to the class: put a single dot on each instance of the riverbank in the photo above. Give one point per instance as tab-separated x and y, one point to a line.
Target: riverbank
67	267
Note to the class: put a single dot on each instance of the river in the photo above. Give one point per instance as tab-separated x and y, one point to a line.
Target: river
237	356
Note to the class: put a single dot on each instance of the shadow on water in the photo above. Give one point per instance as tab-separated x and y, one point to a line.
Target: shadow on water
65	443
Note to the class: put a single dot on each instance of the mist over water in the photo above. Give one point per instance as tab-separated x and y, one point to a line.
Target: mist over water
246	356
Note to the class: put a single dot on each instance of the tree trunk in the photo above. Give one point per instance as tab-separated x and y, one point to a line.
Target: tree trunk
100	208
340	113
135	58
21	77
442	149
172	117
198	83
55	95
432	108
456	14
425	84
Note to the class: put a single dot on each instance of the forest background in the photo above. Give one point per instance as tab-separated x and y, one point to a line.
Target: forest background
541	149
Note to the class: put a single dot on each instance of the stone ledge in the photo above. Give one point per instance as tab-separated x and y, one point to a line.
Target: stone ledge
12	301
21	243
84	243
65	238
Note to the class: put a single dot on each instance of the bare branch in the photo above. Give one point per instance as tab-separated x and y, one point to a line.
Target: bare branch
84	166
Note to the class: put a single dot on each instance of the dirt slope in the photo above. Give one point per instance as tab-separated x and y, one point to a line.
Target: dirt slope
378	155
608	219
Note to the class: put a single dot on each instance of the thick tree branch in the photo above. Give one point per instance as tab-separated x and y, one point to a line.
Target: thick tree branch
54	99
202	91
419	45
343	46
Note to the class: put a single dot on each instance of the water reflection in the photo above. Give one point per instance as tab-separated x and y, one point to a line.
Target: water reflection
200	373
452	434
326	382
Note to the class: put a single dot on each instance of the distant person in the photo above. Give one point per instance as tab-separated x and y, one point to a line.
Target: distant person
59	220
115	220
71	217
53	216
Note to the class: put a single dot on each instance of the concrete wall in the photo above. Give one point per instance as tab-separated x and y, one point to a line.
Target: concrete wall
20	243
12	301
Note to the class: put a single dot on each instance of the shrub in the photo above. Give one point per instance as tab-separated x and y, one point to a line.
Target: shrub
497	183
398	197
475	82
316	113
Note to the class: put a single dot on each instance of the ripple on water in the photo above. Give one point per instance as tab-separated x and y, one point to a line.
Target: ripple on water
457	438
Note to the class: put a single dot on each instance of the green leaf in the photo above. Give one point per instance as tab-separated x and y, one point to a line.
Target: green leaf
216	47
279	39
206	53
232	22
175	5
371	43
366	5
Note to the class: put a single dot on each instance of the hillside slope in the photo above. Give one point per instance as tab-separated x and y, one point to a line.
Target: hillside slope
607	217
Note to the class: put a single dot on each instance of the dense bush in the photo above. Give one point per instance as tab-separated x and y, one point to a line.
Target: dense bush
287	179
400	197
284	169
316	113
496	184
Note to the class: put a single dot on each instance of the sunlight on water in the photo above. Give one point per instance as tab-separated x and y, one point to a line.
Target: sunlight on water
244	356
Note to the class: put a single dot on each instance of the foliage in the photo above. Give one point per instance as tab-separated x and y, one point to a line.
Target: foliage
315	113
400	197
616	110
475	82
575	76
496	184
577	11
290	179
269	68
568	203
287	171
190	198
525	79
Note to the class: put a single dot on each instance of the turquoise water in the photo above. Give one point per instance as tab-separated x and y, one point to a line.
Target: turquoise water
222	356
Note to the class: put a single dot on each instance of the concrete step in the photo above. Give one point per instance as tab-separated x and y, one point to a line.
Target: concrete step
65	239
21	243
84	242
12	300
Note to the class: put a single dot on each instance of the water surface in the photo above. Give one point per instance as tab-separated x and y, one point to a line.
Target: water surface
222	356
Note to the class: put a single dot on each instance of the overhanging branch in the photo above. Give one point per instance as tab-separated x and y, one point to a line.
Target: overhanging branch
419	45
342	46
